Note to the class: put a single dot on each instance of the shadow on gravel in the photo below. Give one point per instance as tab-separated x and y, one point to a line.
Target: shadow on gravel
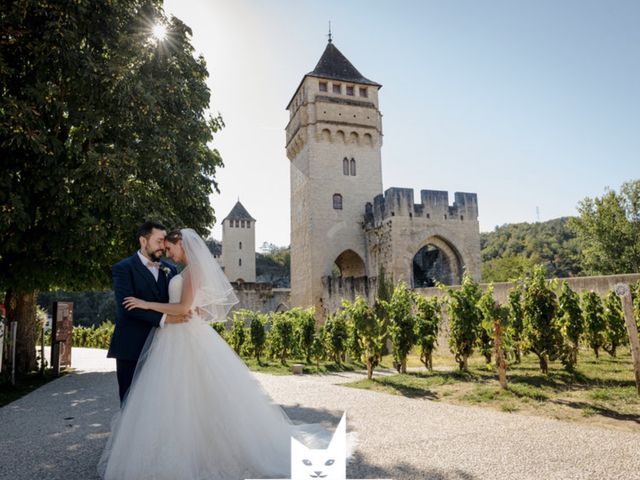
358	469
59	430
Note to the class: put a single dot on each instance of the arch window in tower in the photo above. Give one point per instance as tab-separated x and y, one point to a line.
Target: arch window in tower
363	92
345	166
350	90
240	245
337	88
337	201
353	167
323	86
239	262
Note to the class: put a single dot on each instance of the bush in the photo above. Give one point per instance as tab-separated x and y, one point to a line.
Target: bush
401	324
541	333
593	312
464	319
571	322
368	330
616	330
281	336
336	336
426	327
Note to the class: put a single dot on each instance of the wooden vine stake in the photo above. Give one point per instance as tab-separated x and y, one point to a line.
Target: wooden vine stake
623	291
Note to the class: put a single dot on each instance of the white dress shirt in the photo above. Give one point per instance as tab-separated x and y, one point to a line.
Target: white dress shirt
155	271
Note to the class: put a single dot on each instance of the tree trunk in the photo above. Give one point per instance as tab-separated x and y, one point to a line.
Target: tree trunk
544	366
369	369
403	365
430	361
518	354
21	307
501	362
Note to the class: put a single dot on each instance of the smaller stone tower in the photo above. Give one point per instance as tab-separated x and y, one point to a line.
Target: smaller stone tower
239	245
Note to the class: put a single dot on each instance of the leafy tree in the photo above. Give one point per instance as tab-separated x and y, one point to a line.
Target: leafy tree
515	318
571	321
512	250
616	329
608	229
257	334
593	312
426	327
488	307
399	310
370	331
464	319
101	127
541	332
505	269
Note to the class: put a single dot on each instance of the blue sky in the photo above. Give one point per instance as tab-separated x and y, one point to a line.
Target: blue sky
530	104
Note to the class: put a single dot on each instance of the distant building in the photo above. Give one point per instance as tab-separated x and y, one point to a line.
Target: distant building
238	249
344	228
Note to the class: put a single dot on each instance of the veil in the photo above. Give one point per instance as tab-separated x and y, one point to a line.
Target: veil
212	293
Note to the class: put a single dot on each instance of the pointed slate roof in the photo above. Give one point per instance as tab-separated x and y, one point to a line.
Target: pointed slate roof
238	212
333	64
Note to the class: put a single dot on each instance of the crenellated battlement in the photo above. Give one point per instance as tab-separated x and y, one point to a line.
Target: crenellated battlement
434	204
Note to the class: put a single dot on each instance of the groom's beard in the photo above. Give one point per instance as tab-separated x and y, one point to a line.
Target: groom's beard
155	256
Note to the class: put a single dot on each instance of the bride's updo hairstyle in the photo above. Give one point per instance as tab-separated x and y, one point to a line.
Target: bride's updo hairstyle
173	236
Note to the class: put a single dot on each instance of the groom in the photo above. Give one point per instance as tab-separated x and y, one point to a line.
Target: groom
143	275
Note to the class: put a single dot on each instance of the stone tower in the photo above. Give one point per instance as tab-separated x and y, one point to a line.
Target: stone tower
333	142
239	245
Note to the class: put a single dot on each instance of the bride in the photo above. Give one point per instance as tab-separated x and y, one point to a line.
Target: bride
194	410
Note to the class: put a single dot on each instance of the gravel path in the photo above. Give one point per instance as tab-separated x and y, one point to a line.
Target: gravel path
58	432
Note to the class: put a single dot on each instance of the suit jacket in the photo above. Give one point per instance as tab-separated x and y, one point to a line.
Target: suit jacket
133	279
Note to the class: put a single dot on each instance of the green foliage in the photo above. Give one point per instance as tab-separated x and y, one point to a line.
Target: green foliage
100	129
426	327
571	322
512	250
273	264
281	336
515	316
608	229
593	312
238	334
490	311
221	328
464	319
541	332
257	334
369	331
304	326
616	330
336	335
93	337
318	350
399	311
507	268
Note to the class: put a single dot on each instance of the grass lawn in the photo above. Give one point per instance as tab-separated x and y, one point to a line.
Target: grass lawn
276	368
600	391
25	384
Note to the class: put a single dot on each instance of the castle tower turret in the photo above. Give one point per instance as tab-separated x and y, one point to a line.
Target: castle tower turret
239	245
333	142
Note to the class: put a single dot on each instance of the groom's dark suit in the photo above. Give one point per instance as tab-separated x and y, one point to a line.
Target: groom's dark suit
133	279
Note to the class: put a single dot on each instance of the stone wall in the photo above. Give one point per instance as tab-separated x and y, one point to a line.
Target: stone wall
261	297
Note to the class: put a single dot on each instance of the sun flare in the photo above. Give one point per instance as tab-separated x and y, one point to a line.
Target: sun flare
159	32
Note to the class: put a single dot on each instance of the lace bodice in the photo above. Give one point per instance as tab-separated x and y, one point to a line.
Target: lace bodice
175	288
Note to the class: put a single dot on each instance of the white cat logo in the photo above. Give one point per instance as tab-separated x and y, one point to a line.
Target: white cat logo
321	463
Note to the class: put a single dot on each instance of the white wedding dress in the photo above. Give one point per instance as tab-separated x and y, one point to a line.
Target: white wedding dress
194	411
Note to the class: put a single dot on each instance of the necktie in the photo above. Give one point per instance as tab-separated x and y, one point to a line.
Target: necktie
153	264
